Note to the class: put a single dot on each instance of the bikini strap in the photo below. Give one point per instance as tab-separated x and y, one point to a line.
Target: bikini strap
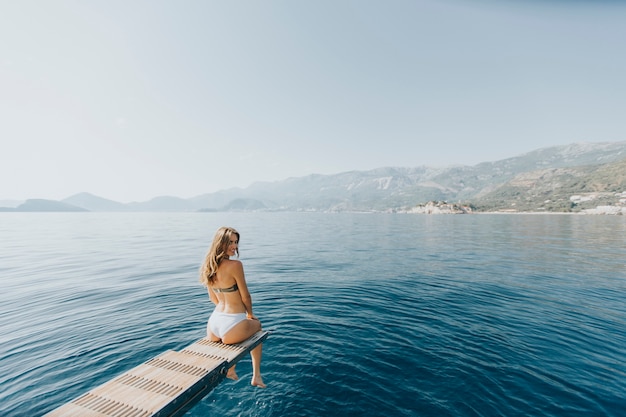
229	289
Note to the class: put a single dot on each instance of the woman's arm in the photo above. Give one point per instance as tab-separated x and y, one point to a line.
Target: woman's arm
212	296
240	278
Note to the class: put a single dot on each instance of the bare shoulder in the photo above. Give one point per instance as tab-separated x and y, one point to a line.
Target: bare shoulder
233	264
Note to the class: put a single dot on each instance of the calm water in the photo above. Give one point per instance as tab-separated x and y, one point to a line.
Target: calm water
376	315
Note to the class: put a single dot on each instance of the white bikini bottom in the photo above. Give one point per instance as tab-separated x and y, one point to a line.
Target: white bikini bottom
220	323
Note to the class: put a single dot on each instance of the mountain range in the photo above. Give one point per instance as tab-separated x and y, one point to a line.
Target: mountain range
547	179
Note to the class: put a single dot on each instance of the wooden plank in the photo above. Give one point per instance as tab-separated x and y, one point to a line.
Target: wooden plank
231	353
166	385
162	383
75	410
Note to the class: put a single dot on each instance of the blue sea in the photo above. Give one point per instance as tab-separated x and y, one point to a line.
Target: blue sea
370	314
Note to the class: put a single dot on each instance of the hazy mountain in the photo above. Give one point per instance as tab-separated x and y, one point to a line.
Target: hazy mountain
548	176
46	205
218	199
552	189
478	180
388	188
94	203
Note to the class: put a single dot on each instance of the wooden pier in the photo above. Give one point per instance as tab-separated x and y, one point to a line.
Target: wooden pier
166	385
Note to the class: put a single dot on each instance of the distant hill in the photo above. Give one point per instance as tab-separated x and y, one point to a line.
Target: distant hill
392	188
479	180
544	179
94	203
556	189
46	205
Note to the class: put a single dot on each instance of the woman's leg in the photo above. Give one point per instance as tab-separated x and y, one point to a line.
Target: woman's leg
255	354
241	332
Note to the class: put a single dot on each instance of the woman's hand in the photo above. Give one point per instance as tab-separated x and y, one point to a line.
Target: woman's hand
251	317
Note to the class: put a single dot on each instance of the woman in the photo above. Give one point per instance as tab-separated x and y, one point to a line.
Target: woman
232	320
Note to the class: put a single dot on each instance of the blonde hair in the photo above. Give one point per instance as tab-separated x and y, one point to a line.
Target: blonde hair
216	254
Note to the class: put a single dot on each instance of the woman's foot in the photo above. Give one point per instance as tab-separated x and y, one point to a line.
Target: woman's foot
232	374
257	381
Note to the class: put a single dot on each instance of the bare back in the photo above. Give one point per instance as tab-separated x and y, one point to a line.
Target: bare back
229	291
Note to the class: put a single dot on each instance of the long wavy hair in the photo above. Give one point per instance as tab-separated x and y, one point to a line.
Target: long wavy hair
216	254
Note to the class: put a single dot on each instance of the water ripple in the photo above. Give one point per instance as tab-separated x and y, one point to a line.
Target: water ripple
369	315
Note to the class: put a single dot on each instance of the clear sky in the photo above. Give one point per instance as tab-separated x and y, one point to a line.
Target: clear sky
134	99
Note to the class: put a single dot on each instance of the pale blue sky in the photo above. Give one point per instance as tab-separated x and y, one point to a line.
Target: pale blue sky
134	99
